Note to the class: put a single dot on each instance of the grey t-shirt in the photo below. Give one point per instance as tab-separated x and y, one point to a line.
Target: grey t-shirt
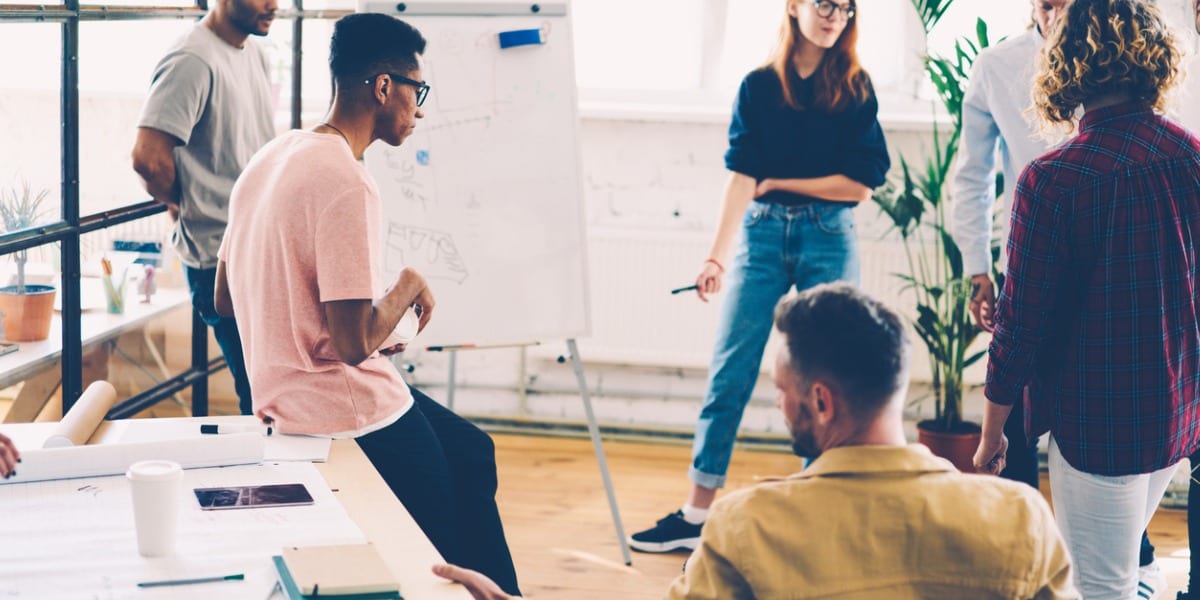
217	100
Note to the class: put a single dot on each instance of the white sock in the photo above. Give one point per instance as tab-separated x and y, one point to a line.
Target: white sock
693	515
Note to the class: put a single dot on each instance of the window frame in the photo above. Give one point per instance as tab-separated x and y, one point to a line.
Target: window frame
71	226
709	103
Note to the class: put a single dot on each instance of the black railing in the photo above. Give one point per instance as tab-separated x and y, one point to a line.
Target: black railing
68	230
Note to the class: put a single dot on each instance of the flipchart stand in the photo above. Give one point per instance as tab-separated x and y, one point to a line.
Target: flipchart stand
593	429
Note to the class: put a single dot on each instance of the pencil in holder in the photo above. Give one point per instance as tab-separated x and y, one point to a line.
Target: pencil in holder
114	291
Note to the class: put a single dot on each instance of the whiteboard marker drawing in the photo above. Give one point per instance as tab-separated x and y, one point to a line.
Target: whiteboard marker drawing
429	251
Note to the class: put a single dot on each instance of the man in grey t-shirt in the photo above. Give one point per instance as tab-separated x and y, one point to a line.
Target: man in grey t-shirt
209	110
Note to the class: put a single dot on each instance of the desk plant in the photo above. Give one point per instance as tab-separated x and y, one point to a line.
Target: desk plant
27	308
917	208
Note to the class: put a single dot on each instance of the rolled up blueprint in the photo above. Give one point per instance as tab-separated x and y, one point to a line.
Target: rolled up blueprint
114	459
84	417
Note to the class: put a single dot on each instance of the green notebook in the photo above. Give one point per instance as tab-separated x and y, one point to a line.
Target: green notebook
353	572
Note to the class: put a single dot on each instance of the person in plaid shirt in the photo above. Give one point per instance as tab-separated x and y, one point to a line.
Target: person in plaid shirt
1097	328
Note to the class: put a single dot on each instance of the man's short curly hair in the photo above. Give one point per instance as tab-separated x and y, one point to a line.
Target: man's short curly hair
1104	47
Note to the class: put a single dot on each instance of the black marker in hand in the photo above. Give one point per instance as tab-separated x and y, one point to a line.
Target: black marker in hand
683	289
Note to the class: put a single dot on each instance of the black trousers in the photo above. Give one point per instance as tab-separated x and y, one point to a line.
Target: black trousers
443	469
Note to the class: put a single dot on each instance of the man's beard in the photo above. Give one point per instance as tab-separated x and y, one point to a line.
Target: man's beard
248	26
804	445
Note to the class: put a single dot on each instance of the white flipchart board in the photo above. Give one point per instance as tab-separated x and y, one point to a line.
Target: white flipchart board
485	198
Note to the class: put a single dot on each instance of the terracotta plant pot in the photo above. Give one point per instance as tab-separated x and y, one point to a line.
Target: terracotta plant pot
957	446
27	316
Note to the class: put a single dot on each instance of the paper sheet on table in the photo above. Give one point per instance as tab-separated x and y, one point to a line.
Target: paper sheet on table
75	539
45	464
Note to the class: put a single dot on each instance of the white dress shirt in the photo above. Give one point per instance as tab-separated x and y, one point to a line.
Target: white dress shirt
995	113
1188	107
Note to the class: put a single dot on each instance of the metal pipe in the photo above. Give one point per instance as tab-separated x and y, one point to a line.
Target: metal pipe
602	392
117	216
72	333
135	404
297	61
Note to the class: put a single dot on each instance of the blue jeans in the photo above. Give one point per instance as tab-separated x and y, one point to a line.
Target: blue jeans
780	247
202	283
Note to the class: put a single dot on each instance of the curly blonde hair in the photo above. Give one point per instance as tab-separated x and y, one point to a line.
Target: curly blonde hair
1105	47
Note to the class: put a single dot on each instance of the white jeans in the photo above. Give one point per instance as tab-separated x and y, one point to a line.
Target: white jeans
1102	519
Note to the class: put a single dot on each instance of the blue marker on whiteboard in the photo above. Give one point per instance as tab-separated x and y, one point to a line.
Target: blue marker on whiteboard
423	158
521	37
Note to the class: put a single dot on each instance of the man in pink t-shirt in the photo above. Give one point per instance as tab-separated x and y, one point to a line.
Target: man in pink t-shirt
299	266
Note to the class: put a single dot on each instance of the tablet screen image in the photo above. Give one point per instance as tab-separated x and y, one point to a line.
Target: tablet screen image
253	496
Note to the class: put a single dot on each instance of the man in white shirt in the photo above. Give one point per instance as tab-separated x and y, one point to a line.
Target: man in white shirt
995	117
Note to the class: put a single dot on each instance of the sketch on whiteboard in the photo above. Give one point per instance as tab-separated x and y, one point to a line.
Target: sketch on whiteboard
429	251
485	197
409	176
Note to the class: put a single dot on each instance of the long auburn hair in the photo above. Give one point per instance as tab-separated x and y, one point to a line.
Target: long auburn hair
840	78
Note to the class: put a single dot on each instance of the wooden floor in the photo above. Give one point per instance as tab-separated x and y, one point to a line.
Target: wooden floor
558	524
557	517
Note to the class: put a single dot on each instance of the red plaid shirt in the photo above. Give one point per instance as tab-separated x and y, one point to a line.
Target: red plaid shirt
1099	313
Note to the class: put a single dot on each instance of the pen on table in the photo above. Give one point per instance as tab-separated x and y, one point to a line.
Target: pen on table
684	289
234	577
217	428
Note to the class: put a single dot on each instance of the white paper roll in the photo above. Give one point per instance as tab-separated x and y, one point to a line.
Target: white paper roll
84	417
114	459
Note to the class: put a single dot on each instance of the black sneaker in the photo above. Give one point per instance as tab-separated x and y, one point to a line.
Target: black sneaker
670	534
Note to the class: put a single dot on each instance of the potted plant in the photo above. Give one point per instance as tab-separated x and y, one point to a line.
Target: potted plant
27	308
917	208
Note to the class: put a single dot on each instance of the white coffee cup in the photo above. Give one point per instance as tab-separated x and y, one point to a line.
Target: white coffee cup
405	330
155	486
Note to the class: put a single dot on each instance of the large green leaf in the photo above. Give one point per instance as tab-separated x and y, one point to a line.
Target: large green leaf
916	202
951	252
931	12
974	358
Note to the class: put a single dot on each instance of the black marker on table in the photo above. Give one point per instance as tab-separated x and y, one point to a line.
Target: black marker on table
223	428
684	289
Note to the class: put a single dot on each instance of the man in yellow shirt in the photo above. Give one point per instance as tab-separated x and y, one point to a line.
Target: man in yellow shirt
871	516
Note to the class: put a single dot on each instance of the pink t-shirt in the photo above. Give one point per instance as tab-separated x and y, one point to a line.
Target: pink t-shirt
304	226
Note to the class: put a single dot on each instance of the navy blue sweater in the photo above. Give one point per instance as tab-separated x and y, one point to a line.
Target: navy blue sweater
769	139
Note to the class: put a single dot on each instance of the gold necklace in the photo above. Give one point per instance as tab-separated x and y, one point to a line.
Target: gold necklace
339	131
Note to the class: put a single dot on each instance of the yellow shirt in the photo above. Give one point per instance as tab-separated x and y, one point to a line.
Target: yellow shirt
880	522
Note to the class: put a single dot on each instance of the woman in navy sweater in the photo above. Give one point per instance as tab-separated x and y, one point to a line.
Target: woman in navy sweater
805	147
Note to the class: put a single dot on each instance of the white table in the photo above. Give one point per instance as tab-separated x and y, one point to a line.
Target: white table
60	538
39	359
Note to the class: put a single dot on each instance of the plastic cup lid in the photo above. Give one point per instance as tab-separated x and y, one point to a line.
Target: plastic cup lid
154	470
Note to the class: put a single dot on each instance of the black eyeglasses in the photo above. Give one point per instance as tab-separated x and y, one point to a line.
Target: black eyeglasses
826	8
422	87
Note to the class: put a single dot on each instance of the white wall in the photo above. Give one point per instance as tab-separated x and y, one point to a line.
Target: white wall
652	188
